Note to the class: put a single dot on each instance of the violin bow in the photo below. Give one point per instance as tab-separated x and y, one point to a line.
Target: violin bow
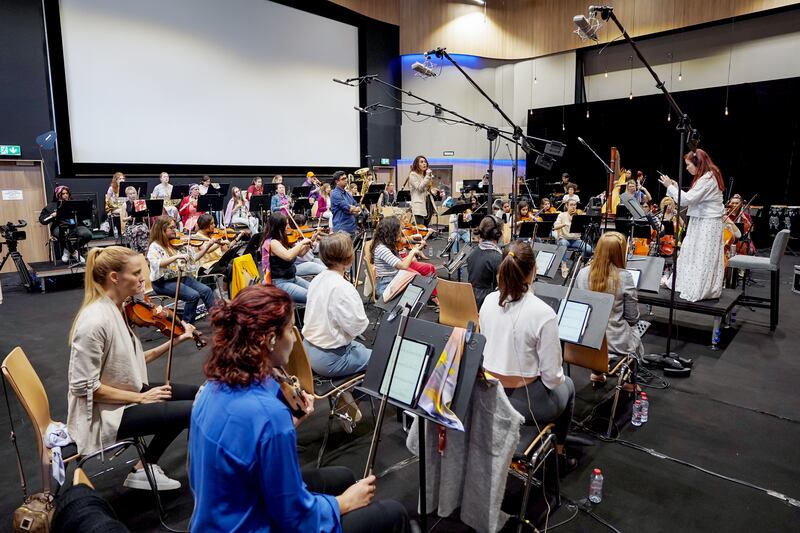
172	329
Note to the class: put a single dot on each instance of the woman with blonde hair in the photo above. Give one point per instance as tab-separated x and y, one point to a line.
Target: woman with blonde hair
114	202
163	258
109	396
606	273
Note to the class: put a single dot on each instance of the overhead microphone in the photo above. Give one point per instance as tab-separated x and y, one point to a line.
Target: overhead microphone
342	82
424	70
586	29
362	110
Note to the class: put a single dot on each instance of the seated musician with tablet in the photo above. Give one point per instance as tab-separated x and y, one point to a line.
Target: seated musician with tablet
607	273
523	350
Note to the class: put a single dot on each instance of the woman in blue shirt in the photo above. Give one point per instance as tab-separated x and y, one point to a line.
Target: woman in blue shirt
244	470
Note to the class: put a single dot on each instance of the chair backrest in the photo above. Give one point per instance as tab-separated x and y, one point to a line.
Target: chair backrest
457	304
19	373
299	365
370	267
779	247
590	358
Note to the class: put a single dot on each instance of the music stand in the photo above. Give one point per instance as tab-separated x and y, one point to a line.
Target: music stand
253	245
667	227
209	202
269	188
469	224
179	192
301	205
632	205
301	191
436	336
72	212
600	303
426	283
221	266
544	230
579	224
557	252
548	217
455	209
650	270
403	196
155	208
470	185
370	199
640	230
221	189
376	187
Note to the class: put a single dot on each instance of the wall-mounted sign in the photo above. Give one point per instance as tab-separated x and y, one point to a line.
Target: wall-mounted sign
11	194
448	153
10	149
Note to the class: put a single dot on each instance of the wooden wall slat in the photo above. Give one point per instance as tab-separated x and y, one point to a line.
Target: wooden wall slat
518	29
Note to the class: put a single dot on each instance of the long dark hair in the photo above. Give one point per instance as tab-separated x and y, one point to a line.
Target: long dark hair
518	263
241	327
277	228
415	164
386	234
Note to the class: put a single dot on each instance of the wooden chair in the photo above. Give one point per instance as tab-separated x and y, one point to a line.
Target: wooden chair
457	304
19	373
597	360
321	388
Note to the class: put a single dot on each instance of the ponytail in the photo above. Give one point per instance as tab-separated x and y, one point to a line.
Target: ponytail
100	262
512	277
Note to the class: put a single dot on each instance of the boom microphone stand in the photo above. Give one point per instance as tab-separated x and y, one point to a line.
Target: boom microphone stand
608	192
669	360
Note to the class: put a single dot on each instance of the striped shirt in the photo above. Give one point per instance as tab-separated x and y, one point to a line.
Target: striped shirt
385	261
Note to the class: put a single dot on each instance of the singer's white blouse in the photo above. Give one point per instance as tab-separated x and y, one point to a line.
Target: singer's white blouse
704	200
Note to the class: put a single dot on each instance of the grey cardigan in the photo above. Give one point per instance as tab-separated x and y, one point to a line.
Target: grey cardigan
473	471
624	314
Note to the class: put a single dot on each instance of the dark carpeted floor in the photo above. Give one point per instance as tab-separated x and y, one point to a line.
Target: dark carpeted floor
737	415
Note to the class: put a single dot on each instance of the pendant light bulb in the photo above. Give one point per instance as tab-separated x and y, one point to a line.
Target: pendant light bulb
630	96
726	111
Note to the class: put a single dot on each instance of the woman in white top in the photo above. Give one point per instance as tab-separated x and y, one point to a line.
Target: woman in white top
419	180
523	350
109	396
163	191
335	314
163	258
238	211
701	265
113	201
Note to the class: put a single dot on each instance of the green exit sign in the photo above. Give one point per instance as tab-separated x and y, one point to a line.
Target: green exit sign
10	149
385	161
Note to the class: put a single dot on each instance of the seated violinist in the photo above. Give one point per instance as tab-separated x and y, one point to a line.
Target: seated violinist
244	470
163	258
278	257
524	213
207	232
109	394
385	255
745	245
307	264
547	206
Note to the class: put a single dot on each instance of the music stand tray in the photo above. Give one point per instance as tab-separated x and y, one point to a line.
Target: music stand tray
209	202
371	198
221	266
426	283
600	303
473	223
558	252
154	207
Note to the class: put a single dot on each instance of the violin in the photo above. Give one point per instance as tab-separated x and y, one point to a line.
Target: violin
225	233
291	393
183	240
305	232
142	312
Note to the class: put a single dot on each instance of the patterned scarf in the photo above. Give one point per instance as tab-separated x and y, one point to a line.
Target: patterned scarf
439	390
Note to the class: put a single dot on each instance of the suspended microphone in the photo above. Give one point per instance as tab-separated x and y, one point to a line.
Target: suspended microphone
582	141
342	82
585	28
366	110
425	71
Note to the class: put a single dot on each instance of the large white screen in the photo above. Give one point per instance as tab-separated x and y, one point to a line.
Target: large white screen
208	82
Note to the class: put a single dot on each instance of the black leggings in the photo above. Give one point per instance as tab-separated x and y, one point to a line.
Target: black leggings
378	517
163	420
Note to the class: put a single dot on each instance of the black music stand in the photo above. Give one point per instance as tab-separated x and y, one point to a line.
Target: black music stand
74	212
426	283
261	205
301	191
473	223
221	266
579	224
555	253
253	245
269	188
436	336
528	229
470	185
600	303
179	192
301	205
140	186
403	196
155	208
370	199
650	271
376	187
209	202
456	209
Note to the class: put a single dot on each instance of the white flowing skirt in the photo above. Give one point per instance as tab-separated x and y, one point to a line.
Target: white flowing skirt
701	265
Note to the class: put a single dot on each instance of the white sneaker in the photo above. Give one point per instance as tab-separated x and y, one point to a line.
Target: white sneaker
138	480
564	270
78	257
65	256
351	415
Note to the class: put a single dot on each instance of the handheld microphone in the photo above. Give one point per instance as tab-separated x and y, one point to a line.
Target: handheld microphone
423	70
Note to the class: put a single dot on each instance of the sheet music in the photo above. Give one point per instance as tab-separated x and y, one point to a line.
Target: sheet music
636	273
543	262
573	317
410	296
409	372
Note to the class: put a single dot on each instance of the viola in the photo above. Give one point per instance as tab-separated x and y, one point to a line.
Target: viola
291	392
142	312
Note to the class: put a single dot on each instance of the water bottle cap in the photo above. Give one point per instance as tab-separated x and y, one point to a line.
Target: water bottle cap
644	396
638	401
596	472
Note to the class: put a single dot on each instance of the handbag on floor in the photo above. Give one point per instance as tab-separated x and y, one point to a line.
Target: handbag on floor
36	512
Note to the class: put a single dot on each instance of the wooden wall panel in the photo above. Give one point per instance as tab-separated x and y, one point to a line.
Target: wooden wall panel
25	176
518	29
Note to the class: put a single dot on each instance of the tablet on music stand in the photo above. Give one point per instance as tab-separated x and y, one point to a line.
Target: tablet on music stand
544	260
412	362
572	320
636	274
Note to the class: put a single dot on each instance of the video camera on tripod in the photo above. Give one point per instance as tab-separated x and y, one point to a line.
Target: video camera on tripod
13	234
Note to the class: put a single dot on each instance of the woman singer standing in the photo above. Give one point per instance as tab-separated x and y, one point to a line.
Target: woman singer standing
701	262
109	396
419	179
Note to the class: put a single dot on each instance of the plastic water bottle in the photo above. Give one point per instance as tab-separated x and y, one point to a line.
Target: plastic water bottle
645	411
733	317
596	486
116	232
636	415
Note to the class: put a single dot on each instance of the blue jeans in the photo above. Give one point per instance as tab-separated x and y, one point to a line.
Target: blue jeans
576	244
297	288
381	283
338	362
191	293
309	268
